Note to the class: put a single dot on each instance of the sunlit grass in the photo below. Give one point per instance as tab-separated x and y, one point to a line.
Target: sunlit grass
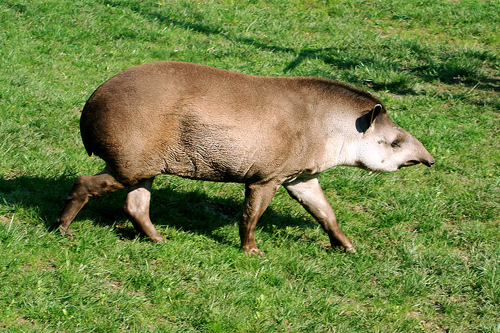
427	239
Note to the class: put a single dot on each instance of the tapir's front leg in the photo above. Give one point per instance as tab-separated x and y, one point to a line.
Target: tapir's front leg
257	198
309	194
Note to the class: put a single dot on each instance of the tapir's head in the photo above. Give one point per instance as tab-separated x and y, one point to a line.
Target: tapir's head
383	146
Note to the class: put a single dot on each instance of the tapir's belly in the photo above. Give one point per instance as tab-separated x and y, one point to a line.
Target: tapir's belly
215	167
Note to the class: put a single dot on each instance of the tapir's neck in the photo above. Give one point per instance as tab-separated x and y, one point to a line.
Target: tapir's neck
337	106
340	153
338	144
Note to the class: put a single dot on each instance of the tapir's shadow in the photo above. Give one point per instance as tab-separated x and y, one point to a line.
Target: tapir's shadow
189	211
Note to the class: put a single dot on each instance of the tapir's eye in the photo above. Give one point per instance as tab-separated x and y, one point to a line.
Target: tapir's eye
395	144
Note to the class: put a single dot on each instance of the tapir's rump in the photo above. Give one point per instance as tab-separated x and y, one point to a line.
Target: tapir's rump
211	124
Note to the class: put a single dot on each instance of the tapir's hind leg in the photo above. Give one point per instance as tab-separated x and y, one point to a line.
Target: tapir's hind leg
137	209
84	189
309	194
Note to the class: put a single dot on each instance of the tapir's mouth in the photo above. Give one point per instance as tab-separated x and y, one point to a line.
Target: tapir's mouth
415	162
409	163
428	163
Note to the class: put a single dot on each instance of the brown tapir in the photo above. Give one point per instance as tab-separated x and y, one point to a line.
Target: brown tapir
211	124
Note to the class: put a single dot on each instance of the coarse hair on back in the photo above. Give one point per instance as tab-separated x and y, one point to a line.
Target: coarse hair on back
333	87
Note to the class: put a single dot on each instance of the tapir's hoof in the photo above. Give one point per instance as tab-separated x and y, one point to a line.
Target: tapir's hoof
348	249
157	239
254	252
65	232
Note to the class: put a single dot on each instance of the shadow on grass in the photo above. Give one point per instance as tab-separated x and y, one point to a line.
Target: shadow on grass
194	211
449	67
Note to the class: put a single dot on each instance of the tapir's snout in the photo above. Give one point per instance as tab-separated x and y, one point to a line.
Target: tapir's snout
427	159
429	162
423	157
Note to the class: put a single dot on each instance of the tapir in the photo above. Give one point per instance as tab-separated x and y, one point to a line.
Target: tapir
211	124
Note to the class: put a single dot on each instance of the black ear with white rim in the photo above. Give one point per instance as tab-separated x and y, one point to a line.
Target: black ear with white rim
364	122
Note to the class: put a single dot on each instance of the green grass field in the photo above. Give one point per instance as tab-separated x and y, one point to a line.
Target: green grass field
428	239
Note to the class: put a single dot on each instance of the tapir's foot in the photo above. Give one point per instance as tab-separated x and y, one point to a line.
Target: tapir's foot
345	246
64	231
342	248
157	239
253	251
350	249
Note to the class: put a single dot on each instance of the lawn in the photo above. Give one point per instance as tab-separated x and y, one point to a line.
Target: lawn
428	239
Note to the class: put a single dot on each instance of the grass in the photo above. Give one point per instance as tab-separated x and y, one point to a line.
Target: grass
428	241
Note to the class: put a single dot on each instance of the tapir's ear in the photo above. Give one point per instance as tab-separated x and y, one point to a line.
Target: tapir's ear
378	109
364	122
